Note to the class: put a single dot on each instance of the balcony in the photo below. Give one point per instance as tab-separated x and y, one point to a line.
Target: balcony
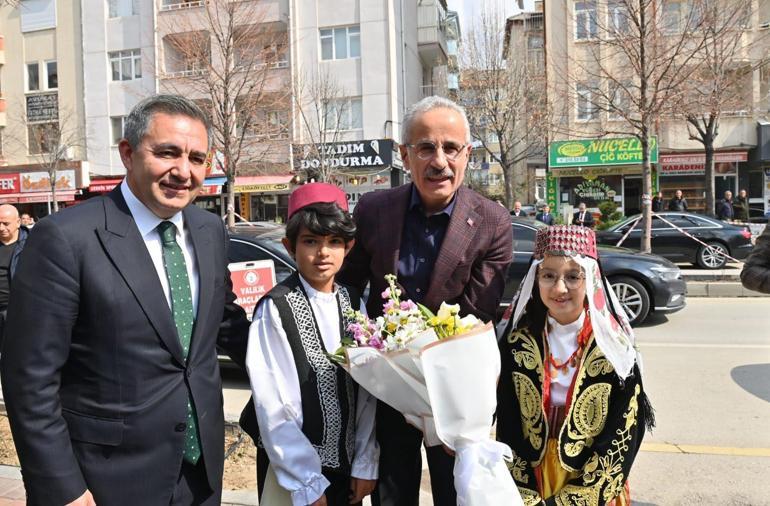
175	5
251	11
431	33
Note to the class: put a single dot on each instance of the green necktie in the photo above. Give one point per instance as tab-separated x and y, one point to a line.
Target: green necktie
182	308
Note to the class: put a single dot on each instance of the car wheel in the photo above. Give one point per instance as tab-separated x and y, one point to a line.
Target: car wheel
633	296
713	257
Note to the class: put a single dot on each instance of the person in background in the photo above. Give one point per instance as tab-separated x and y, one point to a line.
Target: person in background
27	220
582	217
725	207
678	203
545	215
517	209
657	203
13	237
741	207
756	271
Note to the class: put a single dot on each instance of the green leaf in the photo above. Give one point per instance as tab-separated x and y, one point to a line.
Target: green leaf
427	313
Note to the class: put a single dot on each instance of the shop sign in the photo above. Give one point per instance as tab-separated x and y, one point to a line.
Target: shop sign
552	189
698	169
593	172
700	158
253	188
42	107
251	281
363	154
597	152
595	190
9	183
41	181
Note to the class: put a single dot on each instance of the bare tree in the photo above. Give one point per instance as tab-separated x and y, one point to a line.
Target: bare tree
324	114
722	83
633	67
504	96
235	66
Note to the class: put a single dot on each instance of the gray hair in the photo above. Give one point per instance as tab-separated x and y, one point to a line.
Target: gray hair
138	120
428	104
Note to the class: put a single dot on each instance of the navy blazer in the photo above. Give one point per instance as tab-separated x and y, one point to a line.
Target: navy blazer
547	220
93	373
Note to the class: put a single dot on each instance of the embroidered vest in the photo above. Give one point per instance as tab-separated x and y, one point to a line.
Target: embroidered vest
328	393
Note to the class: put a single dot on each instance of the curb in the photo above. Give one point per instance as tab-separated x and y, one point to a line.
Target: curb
720	289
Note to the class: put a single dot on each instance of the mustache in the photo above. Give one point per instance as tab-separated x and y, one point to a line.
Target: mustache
434	172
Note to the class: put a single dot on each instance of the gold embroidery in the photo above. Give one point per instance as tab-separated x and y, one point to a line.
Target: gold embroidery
530	357
589	417
518	468
530	497
530	404
571	495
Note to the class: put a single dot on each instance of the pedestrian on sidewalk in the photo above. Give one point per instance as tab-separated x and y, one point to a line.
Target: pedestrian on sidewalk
109	366
741	207
756	271
725	207
326	453
678	203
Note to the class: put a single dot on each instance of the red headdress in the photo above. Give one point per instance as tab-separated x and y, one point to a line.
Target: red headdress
313	193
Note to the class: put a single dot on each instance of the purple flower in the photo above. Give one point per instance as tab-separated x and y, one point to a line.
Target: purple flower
386	293
408	305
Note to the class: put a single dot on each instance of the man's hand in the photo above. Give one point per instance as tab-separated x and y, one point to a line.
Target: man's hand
360	488
86	500
320	502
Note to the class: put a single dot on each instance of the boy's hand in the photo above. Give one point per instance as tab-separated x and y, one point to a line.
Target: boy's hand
360	488
320	502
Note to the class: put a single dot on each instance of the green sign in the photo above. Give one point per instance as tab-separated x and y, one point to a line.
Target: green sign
597	152
551	190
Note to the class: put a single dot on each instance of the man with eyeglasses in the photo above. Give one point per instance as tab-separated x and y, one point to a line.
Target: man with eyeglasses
445	242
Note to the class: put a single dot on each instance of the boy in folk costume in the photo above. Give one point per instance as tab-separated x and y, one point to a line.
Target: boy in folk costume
571	404
316	425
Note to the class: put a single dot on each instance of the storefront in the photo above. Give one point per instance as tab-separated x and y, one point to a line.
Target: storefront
30	190
263	198
595	171
686	172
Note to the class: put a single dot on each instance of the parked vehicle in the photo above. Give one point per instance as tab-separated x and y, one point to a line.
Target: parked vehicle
721	237
643	283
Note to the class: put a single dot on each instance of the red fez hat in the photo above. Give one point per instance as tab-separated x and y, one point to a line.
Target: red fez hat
565	240
314	193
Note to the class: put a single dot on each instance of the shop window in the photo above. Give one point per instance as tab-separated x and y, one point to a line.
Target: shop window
126	65
117	125
341	43
585	20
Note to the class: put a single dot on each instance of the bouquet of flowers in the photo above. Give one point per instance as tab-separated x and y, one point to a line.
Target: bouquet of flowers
440	371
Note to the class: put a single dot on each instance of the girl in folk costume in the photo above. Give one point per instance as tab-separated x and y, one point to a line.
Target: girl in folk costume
571	403
316	427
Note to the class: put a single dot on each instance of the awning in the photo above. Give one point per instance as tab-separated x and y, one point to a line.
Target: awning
272	183
36	197
103	185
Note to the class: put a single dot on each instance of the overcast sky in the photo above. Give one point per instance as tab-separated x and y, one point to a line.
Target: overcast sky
468	9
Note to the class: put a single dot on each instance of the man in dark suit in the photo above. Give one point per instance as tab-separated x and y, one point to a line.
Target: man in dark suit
517	210
545	215
109	366
445	242
582	217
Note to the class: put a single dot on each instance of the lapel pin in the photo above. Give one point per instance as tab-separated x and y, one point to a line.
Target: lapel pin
470	222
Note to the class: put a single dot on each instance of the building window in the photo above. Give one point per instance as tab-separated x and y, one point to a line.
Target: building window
38	15
619	21
52	75
126	65
586	109
121	8
33	77
619	100
278	124
117	123
343	114
672	17
585	20
42	137
340	43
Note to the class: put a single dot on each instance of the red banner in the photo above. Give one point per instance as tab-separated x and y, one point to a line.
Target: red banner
9	183
251	280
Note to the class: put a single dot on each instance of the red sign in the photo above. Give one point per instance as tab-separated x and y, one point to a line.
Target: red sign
251	280
36	197
700	158
103	185
9	183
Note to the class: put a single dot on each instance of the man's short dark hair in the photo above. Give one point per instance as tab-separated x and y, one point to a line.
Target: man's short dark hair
138	120
323	218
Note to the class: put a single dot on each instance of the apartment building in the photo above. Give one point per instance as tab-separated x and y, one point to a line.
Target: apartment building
573	29
42	123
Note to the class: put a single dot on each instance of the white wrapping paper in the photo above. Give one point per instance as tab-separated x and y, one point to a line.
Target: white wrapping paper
461	376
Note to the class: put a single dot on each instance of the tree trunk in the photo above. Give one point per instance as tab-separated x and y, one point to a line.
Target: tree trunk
230	201
509	183
646	243
52	179
708	145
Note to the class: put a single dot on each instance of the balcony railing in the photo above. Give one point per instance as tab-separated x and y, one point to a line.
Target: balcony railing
184	73
181	4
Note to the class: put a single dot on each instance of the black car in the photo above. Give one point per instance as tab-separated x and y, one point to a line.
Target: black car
721	237
262	246
643	283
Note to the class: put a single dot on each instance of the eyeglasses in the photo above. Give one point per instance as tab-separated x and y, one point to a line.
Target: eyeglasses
427	150
572	280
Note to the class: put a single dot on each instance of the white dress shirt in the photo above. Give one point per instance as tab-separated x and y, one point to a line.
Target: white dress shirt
278	402
562	343
146	221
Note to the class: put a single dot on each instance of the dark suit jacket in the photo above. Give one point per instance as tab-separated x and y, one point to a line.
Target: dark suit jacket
93	373
472	263
588	220
547	221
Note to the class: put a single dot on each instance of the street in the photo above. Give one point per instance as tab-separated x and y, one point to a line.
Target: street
707	372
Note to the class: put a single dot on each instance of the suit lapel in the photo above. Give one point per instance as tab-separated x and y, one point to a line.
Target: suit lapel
392	225
201	240
123	244
463	225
